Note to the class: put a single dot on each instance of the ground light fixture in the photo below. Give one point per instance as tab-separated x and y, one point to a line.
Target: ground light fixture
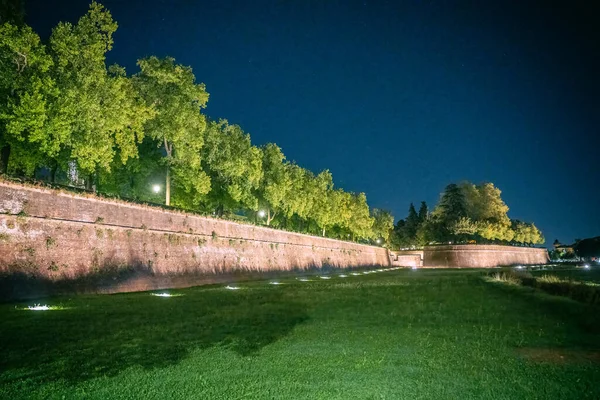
165	294
275	283
586	266
39	307
325	277
343	275
229	287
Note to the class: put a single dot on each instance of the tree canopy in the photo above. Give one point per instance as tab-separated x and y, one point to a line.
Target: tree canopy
465	213
68	117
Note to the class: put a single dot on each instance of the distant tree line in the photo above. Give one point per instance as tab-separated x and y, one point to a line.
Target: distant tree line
465	213
68	118
585	249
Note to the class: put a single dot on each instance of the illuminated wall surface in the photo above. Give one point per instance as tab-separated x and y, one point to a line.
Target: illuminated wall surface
481	256
50	238
54	241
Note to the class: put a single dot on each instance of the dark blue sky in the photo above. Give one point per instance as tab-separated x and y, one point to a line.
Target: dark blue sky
396	98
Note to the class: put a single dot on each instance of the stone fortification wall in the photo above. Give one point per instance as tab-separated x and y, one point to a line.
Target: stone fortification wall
52	236
408	258
481	256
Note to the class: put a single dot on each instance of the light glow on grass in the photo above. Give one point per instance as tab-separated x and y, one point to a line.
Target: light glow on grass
165	294
229	287
43	307
303	279
586	266
343	276
275	283
414	268
39	307
355	273
325	277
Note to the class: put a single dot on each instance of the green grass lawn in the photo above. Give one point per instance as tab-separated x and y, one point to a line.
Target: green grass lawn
405	334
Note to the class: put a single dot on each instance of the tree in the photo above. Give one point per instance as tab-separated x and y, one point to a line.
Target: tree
276	181
27	92
322	211
233	165
361	222
412	223
383	224
178	126
99	109
423	212
588	248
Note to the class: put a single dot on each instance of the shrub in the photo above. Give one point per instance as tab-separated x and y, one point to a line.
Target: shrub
549	279
505	277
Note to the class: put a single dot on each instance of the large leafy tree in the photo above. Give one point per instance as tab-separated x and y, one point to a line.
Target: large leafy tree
323	210
361	224
383	224
178	127
276	182
233	165
101	111
26	91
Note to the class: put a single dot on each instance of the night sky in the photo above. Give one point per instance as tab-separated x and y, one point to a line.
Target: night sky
396	98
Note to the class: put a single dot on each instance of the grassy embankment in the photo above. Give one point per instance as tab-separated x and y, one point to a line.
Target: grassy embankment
406	334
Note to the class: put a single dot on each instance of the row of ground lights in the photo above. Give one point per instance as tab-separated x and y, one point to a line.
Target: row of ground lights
45	307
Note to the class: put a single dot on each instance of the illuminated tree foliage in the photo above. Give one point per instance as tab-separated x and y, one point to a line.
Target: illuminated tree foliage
466	213
69	118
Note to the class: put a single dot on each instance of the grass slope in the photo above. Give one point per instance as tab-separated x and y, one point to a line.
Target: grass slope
424	334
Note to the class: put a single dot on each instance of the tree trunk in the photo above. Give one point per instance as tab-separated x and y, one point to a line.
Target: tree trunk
53	171
89	183
269	216
168	187
169	150
4	155
323	232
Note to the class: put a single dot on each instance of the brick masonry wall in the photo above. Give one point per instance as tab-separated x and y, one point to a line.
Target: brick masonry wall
50	237
481	256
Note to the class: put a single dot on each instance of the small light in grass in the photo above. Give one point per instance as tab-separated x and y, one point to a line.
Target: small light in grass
165	294
303	279
228	287
343	276
414	267
325	277
39	307
275	283
586	266
355	273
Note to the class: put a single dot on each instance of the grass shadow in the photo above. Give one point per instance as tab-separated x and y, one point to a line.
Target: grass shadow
104	335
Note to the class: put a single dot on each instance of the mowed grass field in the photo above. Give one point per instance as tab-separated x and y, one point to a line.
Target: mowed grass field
402	334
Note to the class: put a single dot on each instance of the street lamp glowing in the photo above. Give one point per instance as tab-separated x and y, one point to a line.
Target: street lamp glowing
378	241
261	213
156	188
